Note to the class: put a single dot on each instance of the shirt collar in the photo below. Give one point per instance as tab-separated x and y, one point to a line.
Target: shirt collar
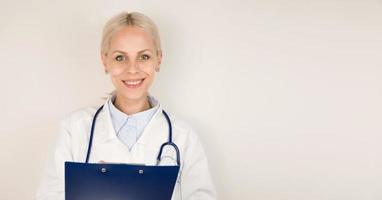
138	119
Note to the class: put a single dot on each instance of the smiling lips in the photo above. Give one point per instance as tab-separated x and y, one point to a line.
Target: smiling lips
133	83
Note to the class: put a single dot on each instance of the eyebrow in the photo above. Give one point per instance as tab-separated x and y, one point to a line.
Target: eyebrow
119	51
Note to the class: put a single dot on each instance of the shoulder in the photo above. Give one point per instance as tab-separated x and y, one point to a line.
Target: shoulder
79	116
183	128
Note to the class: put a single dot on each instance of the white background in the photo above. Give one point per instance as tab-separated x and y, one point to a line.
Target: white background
286	95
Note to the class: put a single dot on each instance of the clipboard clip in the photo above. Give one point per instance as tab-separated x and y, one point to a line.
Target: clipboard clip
104	170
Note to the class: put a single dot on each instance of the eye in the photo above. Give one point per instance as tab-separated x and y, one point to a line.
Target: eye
119	58
145	57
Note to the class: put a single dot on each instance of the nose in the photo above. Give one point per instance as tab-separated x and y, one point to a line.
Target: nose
132	67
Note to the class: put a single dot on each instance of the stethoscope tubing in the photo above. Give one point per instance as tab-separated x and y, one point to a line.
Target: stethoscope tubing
169	142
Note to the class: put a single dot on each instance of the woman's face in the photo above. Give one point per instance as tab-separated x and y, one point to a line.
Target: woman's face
131	62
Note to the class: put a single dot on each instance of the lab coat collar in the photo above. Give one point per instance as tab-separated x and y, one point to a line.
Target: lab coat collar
108	133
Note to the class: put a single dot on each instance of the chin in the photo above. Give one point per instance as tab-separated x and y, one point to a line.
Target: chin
133	95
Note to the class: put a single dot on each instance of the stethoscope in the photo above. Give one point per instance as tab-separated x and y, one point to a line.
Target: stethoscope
169	142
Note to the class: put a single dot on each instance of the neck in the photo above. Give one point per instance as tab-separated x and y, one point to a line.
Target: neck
131	106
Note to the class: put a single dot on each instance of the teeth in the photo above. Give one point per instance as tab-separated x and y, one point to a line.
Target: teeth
133	82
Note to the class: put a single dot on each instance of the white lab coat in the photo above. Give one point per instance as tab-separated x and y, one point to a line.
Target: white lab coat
194	180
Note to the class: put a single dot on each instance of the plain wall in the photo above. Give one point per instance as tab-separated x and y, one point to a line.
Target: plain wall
285	95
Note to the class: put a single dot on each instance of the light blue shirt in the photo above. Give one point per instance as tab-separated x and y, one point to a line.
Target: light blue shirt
130	127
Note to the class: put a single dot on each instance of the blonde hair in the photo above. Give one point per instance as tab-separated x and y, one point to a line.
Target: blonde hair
124	19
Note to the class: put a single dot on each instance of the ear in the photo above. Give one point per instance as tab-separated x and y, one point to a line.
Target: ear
159	55
104	58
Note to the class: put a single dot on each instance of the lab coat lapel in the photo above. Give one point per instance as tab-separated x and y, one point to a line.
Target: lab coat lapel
106	145
143	148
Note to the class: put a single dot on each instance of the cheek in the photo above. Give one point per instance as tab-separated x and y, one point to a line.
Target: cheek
149	70
116	71
150	75
116	82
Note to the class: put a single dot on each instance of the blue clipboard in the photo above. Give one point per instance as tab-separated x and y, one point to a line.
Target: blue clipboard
105	181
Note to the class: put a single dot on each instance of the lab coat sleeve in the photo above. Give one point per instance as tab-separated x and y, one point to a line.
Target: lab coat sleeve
52	183
196	183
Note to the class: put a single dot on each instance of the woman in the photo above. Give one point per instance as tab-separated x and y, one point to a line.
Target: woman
131	126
